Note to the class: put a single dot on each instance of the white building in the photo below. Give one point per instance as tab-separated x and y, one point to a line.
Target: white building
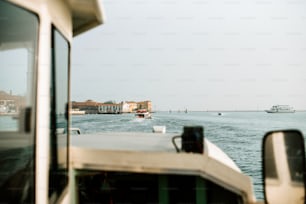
110	108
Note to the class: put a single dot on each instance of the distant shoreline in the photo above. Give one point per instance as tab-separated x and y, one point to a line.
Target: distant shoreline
222	111
191	111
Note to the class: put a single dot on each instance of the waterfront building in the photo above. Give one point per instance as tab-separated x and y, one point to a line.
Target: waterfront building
126	107
110	107
89	106
145	105
132	106
10	103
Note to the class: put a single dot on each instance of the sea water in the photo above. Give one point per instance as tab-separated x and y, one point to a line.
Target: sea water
238	134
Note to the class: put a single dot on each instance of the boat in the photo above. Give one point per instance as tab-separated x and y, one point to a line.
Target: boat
77	111
280	109
41	163
143	113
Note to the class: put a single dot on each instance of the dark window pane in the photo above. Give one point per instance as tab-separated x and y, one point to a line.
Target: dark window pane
18	48
59	115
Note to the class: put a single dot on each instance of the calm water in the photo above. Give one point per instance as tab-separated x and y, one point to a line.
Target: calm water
239	134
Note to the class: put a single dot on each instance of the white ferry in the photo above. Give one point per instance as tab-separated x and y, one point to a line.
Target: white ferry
281	109
41	165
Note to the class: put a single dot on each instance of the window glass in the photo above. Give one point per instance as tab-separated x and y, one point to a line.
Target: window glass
18	50
59	115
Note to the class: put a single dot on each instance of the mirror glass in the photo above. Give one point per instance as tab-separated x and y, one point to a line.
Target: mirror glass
284	167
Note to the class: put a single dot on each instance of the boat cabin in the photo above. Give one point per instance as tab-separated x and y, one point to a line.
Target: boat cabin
35	47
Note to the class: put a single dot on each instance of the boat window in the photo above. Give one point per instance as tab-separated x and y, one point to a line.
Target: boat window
18	51
58	179
124	187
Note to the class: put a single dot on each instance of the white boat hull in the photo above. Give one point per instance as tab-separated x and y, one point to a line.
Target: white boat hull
281	111
143	115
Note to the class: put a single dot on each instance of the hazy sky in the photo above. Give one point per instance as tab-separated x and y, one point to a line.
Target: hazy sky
198	54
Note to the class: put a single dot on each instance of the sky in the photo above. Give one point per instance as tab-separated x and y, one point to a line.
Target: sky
196	55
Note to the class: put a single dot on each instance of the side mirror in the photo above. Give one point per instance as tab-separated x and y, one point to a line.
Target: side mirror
284	167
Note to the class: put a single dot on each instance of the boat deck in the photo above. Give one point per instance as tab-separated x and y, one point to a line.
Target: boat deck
143	142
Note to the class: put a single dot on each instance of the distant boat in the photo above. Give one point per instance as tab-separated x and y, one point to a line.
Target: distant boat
77	112
143	113
220	113
280	109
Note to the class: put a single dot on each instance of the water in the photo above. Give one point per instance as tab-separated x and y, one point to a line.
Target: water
238	134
